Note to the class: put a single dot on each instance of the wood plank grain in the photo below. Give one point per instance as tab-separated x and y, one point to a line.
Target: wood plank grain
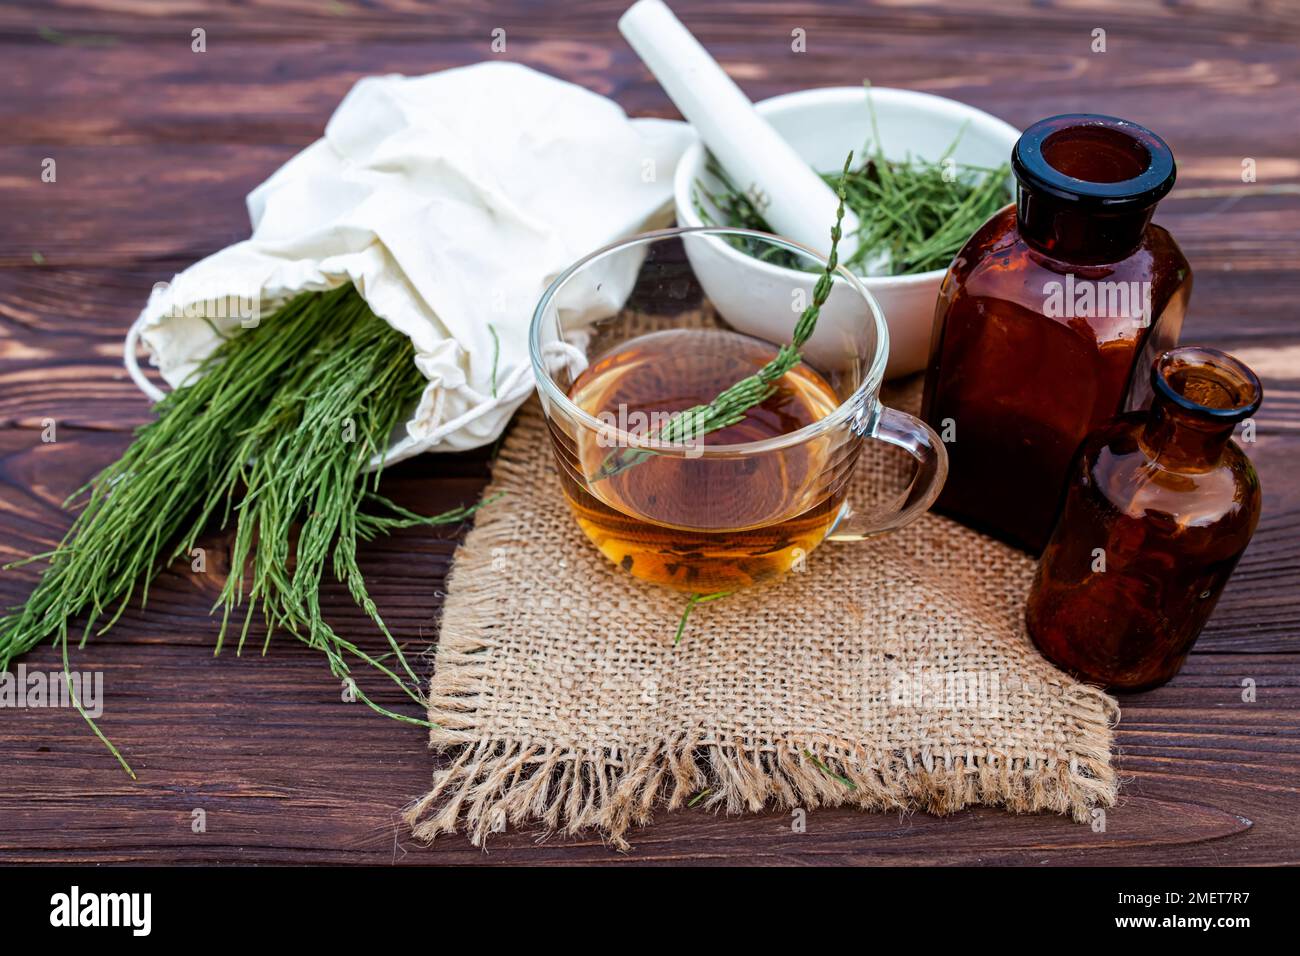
96	212
226	736
1200	94
106	21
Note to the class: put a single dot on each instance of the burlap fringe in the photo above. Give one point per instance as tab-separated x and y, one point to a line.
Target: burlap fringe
491	783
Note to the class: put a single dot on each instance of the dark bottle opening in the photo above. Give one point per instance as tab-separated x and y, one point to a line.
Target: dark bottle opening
1096	154
1208	384
1088	185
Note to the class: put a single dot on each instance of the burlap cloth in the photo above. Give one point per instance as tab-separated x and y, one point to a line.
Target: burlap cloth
891	674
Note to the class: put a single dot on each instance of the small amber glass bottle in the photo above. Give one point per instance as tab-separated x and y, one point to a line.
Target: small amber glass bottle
1047	314
1159	507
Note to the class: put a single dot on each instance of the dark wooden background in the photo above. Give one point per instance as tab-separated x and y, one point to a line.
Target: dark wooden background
156	146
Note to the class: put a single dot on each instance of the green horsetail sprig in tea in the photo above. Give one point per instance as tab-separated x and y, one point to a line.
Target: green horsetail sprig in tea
272	437
731	405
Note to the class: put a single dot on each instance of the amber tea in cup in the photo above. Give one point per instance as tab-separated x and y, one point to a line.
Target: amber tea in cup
722	510
653	519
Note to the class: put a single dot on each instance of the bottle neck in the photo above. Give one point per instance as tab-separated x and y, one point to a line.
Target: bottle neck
1088	186
1200	396
1064	230
1181	442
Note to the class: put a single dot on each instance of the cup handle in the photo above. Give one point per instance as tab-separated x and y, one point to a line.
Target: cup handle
920	441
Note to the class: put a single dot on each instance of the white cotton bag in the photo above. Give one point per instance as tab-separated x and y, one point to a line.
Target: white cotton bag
450	201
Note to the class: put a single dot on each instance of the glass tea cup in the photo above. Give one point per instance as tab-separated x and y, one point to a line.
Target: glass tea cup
626	341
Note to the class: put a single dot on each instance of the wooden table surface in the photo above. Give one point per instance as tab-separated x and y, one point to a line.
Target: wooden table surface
156	146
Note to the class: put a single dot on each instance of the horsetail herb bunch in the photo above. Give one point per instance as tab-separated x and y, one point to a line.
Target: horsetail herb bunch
289	413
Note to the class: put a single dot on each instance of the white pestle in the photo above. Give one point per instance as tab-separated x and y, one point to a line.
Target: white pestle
793	198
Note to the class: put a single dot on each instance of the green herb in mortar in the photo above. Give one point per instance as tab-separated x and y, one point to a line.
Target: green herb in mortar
272	438
914	215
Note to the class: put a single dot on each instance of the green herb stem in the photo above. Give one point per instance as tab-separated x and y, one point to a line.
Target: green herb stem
690	606
820	765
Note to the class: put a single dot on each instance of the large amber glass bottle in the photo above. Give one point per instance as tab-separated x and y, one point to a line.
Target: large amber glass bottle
1044	316
1159	507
